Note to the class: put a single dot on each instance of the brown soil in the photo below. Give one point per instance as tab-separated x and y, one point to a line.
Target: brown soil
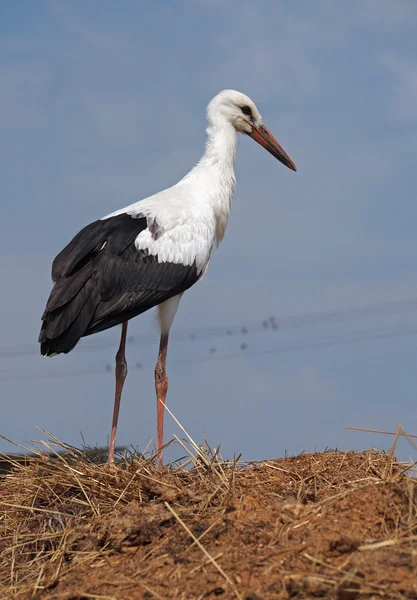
337	525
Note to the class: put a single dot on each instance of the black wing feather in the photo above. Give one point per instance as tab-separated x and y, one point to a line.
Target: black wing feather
102	280
118	232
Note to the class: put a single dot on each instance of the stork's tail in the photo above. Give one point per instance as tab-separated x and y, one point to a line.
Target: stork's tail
68	313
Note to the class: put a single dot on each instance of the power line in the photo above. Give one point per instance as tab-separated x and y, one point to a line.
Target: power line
353	337
262	325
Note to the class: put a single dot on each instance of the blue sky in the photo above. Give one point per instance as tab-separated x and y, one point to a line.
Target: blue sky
102	103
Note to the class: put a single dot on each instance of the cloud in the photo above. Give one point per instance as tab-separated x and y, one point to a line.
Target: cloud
388	14
22	95
404	90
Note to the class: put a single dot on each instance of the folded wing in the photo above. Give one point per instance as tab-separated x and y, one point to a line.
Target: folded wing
101	279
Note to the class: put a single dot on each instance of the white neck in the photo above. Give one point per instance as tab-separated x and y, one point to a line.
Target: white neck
220	146
216	172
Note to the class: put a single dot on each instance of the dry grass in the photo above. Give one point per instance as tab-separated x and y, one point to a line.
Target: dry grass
339	525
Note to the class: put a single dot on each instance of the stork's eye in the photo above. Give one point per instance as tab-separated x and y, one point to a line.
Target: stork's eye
246	111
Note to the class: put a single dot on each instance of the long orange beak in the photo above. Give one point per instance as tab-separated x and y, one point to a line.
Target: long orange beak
266	140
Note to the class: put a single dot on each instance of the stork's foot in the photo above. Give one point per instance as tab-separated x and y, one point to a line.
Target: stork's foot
110	465
160	462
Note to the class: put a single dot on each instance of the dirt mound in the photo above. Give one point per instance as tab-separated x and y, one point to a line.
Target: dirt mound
339	525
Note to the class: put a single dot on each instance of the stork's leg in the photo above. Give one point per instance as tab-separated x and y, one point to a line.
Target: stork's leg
161	387
121	372
166	314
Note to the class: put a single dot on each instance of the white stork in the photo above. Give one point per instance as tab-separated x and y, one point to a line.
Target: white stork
149	253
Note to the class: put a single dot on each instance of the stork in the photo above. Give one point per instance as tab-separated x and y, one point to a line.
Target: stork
149	253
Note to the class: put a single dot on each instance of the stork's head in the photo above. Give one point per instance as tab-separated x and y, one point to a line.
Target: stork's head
237	109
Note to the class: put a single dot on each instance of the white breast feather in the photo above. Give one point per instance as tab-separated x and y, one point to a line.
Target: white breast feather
189	226
184	244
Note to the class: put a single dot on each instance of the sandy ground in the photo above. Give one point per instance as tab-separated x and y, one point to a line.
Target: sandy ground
339	525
